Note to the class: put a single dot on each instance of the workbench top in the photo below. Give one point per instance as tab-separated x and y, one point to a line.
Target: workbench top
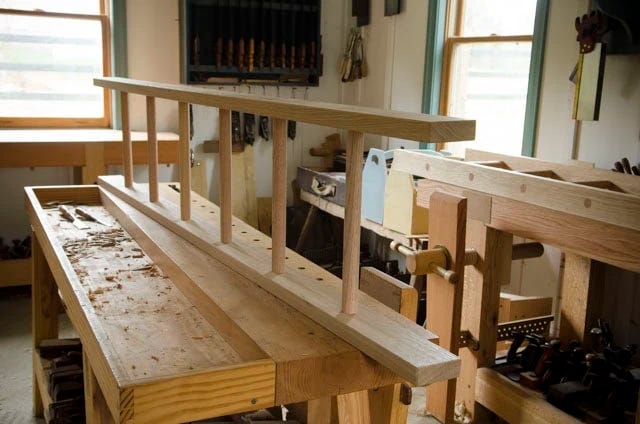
154	324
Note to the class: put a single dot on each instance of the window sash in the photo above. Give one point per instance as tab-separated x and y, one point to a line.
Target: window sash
105	120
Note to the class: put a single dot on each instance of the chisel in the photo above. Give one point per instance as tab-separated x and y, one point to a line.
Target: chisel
89	217
69	216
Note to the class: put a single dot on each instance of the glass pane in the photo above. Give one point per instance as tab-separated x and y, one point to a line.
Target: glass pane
90	7
489	84
499	17
47	66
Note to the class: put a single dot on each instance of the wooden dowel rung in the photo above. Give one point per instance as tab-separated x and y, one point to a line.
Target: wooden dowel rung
351	242
152	144
527	250
225	175
279	197
185	162
127	154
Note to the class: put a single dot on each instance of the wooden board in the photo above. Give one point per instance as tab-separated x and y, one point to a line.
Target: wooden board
514	307
401	213
573	172
393	340
302	350
390	291
411	126
616	245
516	403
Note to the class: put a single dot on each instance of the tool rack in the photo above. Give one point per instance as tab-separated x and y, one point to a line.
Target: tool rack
592	215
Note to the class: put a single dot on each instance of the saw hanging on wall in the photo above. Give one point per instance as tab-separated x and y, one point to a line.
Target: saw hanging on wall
353	65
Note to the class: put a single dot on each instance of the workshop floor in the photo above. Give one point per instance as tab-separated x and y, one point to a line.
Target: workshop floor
15	362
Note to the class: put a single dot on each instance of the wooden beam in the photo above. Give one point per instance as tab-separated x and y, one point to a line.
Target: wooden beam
411	126
447	228
574	172
351	239
224	175
390	291
127	155
185	162
616	245
279	198
604	206
394	341
353	408
152	144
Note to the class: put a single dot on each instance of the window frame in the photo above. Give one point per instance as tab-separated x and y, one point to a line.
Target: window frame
57	122
443	35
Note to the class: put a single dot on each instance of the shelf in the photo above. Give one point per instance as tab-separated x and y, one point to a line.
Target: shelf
515	403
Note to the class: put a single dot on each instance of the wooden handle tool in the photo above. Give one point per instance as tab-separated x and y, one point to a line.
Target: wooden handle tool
69	216
90	217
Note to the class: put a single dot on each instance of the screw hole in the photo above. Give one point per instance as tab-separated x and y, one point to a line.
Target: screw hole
243	232
256	239
320	279
301	267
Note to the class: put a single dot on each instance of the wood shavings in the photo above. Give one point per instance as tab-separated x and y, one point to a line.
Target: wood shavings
155	358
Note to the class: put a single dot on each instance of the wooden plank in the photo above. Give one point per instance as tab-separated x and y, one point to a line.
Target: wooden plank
15	272
352	217
573	171
386	407
447	227
224	175
42	399
184	162
127	155
481	303
279	197
264	215
389	291
44	315
250	186
411	126
302	350
607	207
582	293
220	392
315	411
394	341
152	143
616	245
94	403
516	403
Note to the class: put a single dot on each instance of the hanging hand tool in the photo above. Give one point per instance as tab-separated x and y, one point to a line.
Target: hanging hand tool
292	38
263	128
241	45
69	216
219	42
313	21
272	47
196	49
230	35
283	37
252	38
262	49
249	128
90	217
236	135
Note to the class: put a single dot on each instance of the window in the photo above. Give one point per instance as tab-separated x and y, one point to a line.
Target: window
485	70
50	51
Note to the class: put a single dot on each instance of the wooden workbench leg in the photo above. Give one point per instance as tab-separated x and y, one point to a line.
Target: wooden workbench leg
447	227
45	307
386	406
353	408
185	162
127	149
279	198
352	219
152	147
582	291
93	163
95	406
481	303
315	411
224	175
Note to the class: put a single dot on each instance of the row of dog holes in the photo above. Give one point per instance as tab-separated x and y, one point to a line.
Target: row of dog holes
268	248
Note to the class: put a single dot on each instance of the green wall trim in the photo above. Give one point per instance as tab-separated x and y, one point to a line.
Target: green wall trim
118	51
436	23
535	78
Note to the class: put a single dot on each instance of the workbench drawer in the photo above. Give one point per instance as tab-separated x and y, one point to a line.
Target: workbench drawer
328	185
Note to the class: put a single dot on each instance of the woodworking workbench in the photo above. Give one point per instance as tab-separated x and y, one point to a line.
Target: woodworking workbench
162	337
592	215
